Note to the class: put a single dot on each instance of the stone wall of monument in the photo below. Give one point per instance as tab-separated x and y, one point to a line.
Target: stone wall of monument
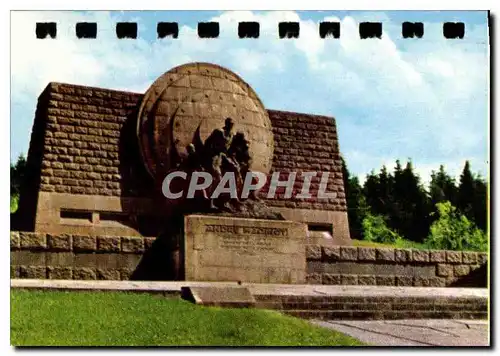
395	267
65	256
307	143
81	152
84	142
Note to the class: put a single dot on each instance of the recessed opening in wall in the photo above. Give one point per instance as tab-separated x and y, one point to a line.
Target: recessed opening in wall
75	216
320	230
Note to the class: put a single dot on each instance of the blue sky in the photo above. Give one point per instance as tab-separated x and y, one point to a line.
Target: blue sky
424	99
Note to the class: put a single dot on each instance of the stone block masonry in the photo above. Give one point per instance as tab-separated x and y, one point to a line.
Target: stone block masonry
66	256
81	144
394	267
308	143
70	256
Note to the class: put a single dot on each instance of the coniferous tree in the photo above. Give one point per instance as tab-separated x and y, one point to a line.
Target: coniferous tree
466	192
385	192
396	218
370	190
17	172
414	206
480	206
442	187
356	203
359	208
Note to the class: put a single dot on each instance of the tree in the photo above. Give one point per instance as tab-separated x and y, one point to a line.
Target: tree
442	187
412	205
453	231
356	203
375	229
385	192
397	213
472	197
17	172
370	190
466	191
480	205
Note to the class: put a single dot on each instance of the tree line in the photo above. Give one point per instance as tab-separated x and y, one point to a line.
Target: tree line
406	206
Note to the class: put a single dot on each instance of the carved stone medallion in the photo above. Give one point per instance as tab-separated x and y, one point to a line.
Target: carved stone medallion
200	95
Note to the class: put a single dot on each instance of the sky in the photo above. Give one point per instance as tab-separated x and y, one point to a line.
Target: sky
420	99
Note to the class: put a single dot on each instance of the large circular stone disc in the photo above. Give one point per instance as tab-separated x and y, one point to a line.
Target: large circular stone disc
200	95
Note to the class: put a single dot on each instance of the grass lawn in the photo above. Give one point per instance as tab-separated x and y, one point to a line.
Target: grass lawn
42	318
399	244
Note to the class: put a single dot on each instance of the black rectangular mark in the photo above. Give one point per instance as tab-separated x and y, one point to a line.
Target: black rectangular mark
165	29
289	29
208	29
412	29
44	29
453	30
76	215
248	30
86	29
320	227
126	30
331	29
370	30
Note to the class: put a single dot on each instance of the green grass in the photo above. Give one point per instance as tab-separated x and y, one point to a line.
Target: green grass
42	318
398	244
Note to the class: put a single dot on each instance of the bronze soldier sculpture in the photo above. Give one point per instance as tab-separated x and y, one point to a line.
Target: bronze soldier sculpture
222	152
217	160
217	146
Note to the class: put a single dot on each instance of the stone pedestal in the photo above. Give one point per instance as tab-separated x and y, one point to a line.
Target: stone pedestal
246	250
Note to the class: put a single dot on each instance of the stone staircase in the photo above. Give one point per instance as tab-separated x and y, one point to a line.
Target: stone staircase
375	307
350	302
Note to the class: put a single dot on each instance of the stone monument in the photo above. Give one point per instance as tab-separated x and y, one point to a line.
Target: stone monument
98	160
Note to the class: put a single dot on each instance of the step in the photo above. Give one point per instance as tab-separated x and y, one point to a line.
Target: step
385	315
430	305
373	305
314	301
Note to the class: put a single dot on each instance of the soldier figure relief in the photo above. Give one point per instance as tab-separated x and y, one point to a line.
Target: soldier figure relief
223	152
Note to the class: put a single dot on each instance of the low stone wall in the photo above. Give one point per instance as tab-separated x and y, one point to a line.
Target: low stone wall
65	256
394	267
40	255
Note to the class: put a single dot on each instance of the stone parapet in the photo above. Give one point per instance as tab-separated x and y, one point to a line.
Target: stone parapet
350	265
81	257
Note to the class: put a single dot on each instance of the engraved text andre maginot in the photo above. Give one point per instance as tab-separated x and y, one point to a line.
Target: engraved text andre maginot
249	230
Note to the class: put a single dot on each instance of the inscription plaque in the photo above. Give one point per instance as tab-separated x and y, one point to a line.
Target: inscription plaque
247	250
245	243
